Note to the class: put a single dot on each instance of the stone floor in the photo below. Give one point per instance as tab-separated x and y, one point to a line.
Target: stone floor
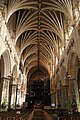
38	115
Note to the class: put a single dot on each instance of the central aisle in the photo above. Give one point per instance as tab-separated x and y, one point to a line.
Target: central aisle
38	115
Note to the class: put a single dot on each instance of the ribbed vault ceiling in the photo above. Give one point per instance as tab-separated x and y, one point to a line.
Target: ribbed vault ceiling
38	27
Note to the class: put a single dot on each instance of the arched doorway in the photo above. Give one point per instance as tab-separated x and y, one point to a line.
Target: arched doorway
5	69
38	86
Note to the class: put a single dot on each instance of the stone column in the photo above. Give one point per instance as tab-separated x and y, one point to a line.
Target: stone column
53	99
13	96
5	91
10	92
56	96
64	98
59	97
1	86
16	95
73	89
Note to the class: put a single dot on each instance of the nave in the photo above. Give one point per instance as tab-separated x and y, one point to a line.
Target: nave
39	59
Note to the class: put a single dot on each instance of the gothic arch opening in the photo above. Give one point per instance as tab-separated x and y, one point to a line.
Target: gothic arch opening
72	79
5	72
38	86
